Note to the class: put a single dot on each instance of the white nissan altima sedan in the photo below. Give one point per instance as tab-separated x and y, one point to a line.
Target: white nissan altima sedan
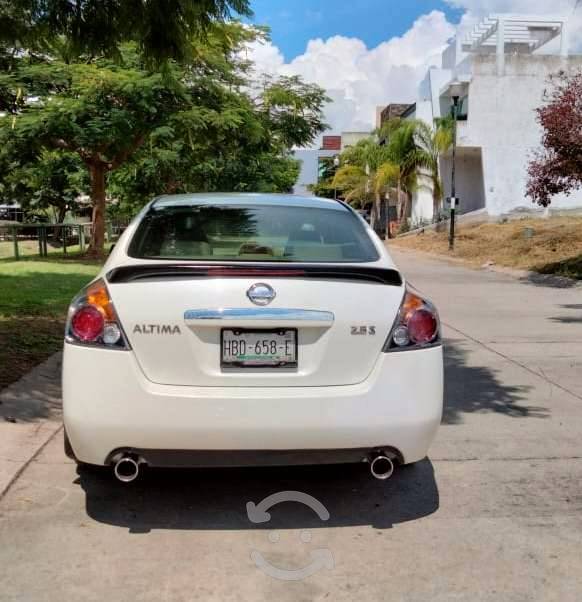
250	329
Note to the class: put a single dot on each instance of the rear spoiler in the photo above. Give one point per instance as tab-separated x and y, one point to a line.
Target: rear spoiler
178	271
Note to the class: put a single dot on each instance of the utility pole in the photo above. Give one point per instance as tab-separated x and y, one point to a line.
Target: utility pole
456	90
453	182
336	164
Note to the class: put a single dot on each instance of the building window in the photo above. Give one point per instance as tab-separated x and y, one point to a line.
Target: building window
463	110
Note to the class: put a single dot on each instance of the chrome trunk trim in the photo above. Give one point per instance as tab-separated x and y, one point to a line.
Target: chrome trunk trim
261	314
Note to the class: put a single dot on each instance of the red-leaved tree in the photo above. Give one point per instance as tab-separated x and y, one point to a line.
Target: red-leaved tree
557	168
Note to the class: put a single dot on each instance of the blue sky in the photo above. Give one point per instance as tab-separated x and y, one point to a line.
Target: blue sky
295	22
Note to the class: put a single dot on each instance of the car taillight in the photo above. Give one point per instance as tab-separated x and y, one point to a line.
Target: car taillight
93	321
422	326
417	324
87	323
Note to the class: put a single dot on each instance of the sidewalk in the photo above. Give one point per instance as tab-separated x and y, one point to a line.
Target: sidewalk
30	416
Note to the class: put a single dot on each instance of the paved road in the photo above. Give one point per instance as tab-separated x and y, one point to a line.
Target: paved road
494	514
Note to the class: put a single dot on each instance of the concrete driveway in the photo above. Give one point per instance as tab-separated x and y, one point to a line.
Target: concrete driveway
494	514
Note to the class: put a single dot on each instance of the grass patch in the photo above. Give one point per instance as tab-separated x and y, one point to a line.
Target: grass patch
554	247
29	248
34	296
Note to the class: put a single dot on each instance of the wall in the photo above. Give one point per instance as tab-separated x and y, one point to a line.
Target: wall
453	54
469	181
438	79
502	123
309	169
352	138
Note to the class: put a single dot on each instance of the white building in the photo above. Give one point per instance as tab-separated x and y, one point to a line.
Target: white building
503	67
352	138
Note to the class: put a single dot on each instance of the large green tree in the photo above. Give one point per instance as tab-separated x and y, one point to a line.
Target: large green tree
51	183
162	29
103	115
235	141
196	126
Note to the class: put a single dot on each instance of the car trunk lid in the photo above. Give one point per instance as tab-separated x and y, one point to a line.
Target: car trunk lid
174	316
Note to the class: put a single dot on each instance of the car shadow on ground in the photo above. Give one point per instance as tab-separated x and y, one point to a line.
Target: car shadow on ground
216	499
476	388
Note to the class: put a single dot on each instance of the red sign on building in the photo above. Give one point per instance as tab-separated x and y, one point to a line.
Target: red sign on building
332	143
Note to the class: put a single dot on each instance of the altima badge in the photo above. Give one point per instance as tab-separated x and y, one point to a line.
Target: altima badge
261	293
156	329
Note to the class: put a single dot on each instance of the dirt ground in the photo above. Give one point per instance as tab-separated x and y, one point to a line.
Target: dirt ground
548	246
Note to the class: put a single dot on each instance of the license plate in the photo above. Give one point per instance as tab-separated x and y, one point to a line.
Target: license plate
256	348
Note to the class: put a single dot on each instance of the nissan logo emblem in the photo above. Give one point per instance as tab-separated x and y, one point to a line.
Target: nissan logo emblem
261	293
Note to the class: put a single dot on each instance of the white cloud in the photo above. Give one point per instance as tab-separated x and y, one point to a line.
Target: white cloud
358	78
267	58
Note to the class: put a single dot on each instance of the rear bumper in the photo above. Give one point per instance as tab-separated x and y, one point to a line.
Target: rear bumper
109	405
178	458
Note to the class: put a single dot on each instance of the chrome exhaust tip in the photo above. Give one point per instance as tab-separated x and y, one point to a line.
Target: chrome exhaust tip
126	469
381	467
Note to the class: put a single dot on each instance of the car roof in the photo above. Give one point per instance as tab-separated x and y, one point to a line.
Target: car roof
245	198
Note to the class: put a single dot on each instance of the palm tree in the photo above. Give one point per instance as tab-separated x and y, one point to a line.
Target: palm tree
430	143
358	176
400	144
353	181
389	179
376	166
390	161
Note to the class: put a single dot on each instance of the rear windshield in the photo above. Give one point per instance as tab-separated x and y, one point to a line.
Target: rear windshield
252	233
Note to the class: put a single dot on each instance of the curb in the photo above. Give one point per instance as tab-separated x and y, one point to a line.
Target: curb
32	453
30	418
